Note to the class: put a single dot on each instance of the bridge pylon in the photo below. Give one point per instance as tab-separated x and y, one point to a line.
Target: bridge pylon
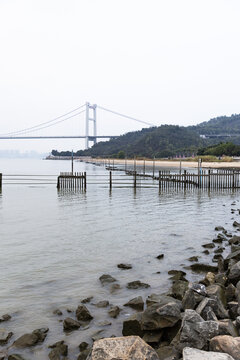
91	116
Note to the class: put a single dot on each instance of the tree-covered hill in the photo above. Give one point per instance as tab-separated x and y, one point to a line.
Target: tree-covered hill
166	140
163	141
219	125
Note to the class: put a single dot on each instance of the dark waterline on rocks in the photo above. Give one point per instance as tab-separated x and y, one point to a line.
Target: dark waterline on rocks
55	246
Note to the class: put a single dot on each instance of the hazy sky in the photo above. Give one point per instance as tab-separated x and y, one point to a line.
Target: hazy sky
162	61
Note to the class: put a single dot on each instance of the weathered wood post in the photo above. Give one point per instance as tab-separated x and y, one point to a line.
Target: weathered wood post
159	179
209	179
180	167
135	180
0	182
85	180
110	180
185	179
233	180
125	164
144	166
72	162
153	167
134	163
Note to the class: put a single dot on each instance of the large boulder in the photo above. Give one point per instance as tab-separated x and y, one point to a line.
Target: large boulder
234	273
195	332
32	339
162	300
195	354
226	344
130	347
161	315
133	325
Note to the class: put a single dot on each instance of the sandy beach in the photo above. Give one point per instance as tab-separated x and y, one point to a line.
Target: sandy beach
167	163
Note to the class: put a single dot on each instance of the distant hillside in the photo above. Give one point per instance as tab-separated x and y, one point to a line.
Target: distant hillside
163	141
166	140
219	125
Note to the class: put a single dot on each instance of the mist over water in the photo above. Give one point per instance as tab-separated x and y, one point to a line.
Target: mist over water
54	245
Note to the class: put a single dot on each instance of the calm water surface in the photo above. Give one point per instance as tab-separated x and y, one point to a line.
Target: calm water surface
55	245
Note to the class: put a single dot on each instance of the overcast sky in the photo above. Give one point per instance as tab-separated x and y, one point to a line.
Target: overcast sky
162	61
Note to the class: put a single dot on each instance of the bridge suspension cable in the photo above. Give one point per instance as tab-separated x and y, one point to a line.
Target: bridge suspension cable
125	116
40	126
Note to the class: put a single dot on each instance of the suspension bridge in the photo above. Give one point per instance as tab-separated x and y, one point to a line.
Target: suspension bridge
90	135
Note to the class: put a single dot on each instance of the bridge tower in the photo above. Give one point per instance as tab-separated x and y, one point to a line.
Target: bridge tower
91	115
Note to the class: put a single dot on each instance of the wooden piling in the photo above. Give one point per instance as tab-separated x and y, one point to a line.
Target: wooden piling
135	180
110	180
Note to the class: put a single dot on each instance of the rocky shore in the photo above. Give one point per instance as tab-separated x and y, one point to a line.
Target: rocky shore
193	320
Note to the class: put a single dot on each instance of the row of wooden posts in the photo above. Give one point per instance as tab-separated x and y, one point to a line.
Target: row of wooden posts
204	179
77	180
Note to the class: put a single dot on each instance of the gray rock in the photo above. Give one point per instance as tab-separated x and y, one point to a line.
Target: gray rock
83	314
131	347
161	315
179	289
106	279
136	303
233	255
5	336
193	258
208	246
230	292
217	291
153	337
87	300
124	266
162	300
191	299
70	324
114	311
234	273
133	325
59	349
219	228
160	256
102	304
28	340
195	354
167	352
195	332
234	240
233	309
83	346
203	268
84	354
5	317
137	285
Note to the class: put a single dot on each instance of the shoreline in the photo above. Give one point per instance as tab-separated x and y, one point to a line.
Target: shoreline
211	301
168	163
